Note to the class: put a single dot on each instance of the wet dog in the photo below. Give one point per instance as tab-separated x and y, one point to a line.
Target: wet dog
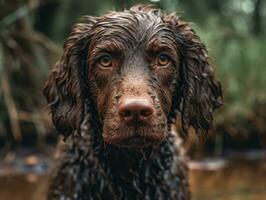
115	93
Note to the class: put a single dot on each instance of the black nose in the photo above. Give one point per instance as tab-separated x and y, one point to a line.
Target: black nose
134	111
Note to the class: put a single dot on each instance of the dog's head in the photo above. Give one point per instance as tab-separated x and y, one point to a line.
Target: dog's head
135	69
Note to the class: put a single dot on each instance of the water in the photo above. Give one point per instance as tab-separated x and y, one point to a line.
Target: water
238	179
210	179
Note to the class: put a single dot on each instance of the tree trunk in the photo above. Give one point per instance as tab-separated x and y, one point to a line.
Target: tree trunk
257	19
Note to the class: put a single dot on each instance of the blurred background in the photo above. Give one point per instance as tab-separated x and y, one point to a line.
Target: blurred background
230	164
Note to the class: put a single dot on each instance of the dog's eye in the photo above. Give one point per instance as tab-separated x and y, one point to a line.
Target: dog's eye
163	60
105	61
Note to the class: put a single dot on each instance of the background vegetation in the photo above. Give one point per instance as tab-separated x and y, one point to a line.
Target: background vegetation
32	33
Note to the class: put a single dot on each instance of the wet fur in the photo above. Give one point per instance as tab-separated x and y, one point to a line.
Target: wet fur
84	109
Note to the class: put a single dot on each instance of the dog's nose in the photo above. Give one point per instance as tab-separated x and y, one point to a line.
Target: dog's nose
134	111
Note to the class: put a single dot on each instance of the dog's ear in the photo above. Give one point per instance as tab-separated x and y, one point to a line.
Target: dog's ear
63	89
199	92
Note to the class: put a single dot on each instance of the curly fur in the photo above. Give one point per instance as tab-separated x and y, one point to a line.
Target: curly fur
90	169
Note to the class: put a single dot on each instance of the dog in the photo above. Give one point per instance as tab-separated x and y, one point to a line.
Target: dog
115	94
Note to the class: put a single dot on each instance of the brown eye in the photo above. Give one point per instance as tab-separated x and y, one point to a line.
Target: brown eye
163	60
105	61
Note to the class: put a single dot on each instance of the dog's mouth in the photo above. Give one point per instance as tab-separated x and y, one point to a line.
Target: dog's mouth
135	139
134	142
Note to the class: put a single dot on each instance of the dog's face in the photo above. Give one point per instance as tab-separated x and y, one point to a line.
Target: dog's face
133	59
139	67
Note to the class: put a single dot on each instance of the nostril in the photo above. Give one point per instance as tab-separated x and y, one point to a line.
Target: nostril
125	112
147	112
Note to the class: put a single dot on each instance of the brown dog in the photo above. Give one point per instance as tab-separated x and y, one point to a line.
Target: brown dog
119	85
